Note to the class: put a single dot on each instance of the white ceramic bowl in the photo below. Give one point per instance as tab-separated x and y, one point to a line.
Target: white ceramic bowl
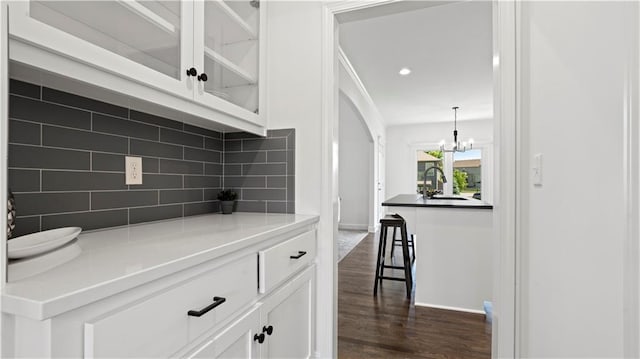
41	242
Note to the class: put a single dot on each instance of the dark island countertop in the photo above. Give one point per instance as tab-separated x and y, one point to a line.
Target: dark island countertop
416	200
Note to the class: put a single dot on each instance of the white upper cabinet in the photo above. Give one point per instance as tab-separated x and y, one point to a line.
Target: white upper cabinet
227	47
207	52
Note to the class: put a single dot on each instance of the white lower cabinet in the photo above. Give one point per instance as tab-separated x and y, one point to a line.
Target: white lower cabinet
236	341
211	310
281	326
289	314
178	315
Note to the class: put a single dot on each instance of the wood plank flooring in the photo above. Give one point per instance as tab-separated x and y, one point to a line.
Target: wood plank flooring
390	326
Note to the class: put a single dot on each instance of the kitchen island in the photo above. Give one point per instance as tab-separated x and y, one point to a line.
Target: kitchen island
453	240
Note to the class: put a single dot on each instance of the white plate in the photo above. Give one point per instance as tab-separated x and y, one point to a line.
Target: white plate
37	243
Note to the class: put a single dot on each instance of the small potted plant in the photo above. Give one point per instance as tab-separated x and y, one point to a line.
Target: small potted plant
227	200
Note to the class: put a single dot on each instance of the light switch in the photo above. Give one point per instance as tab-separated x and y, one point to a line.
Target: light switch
537	169
133	170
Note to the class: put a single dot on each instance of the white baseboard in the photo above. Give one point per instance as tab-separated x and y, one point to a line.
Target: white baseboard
476	311
353	227
374	228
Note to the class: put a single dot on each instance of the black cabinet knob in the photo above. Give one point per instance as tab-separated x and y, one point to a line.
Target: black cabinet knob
268	330
202	77
192	72
259	338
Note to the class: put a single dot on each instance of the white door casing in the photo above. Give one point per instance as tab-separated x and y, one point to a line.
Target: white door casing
504	20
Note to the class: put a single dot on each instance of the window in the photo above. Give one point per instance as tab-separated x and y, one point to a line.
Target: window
462	169
427	159
467	173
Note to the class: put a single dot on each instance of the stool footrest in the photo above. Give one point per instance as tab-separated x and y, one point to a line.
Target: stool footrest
393	267
394	278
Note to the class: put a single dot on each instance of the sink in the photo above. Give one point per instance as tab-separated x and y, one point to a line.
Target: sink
455	198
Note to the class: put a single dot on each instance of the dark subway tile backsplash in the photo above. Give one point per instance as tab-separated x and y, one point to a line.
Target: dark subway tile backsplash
258	169
182	167
24	89
35	203
24	132
66	164
41	157
148	214
123	199
65	98
122	127
53	136
22	108
157	149
87	220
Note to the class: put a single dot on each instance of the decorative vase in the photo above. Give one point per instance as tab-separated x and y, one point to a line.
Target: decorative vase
11	214
227	206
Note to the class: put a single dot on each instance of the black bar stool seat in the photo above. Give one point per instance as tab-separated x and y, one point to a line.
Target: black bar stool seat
396	222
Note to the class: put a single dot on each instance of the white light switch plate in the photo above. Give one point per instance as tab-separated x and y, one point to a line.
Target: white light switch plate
133	170
537	169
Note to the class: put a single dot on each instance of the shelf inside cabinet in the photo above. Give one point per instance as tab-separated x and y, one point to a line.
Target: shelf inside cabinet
230	66
150	16
236	27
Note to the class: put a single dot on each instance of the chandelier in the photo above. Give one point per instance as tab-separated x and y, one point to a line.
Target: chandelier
456	146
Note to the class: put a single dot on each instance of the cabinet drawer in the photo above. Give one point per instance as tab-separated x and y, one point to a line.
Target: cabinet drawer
282	260
160	326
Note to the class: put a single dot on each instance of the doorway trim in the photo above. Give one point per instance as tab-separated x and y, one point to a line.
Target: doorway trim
507	144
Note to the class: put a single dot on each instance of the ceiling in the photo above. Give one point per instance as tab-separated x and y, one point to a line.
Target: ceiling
448	49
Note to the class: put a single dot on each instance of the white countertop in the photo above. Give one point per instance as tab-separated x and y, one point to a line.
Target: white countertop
114	260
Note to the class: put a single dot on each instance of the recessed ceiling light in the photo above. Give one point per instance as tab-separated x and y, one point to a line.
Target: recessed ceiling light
404	71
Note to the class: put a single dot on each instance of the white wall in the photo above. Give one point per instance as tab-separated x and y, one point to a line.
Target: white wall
294	99
355	167
573	101
403	141
351	87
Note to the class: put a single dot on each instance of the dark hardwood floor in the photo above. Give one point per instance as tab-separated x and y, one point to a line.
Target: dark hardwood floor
390	326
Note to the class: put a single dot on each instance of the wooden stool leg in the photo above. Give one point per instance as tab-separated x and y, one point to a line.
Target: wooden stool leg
407	260
393	242
383	257
383	229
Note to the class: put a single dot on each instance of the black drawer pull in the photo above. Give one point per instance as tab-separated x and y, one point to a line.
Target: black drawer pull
259	338
300	254
268	330
216	302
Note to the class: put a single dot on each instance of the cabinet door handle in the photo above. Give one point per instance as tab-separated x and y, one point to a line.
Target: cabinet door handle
300	254
203	77
259	338
268	330
192	72
216	302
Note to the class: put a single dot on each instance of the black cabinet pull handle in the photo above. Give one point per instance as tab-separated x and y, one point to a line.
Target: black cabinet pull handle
268	330
203	77
259	338
192	72
216	302
300	254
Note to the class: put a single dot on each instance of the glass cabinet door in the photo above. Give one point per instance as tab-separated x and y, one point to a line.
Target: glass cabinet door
231	51
146	32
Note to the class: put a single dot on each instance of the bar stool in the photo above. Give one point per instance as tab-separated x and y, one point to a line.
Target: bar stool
393	221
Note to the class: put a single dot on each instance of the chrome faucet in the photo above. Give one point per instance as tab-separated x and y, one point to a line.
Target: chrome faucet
425	193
